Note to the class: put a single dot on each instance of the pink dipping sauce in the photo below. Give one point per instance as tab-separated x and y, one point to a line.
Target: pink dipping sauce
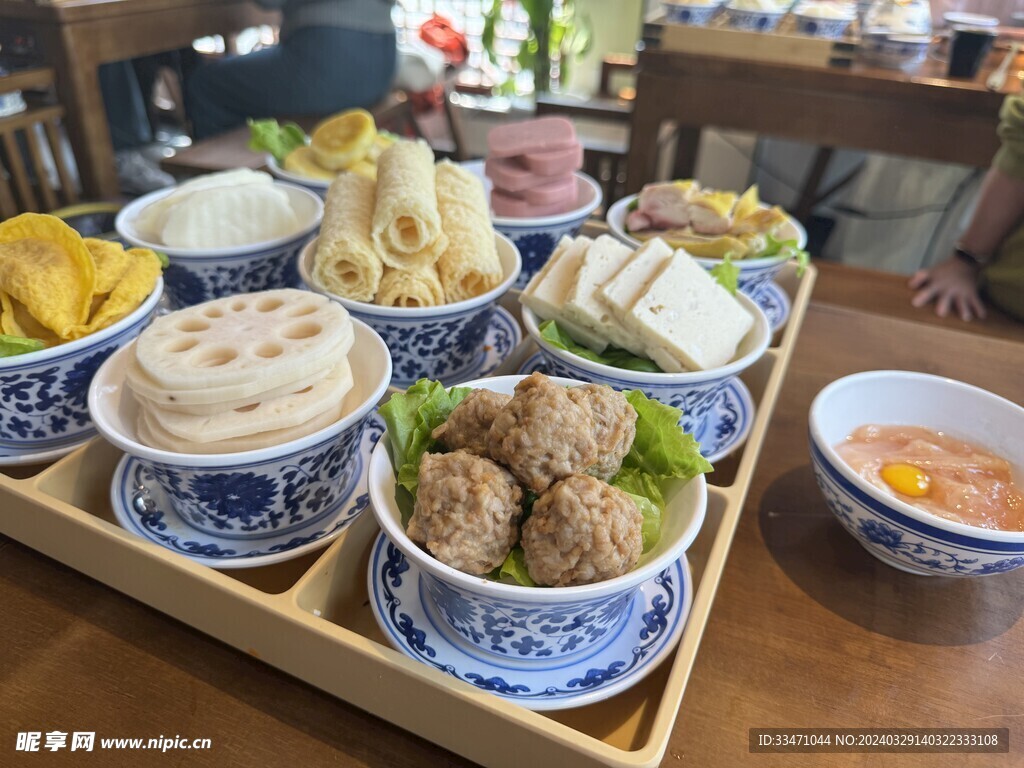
946	477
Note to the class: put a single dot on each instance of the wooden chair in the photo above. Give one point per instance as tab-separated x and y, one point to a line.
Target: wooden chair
25	183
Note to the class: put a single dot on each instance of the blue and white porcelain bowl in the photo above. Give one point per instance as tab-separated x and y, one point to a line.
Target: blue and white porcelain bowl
820	26
753	20
897	533
43	395
253	494
532	625
693	14
754	275
197	275
318	187
536	238
694	392
891	51
443	342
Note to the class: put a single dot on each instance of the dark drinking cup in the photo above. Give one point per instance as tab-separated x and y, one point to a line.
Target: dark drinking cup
967	50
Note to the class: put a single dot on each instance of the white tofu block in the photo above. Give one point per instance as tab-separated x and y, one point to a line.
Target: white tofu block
686	320
547	290
629	284
584	306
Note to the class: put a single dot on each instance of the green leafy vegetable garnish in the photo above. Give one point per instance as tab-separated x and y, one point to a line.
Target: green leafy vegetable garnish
727	274
411	417
278	140
162	257
786	249
18	345
619	358
661	455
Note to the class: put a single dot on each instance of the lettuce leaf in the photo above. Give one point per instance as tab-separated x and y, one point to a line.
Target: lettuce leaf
786	249
410	417
18	345
660	447
727	274
278	140
514	569
618	358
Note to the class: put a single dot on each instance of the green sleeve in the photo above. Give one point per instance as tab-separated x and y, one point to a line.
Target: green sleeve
1010	157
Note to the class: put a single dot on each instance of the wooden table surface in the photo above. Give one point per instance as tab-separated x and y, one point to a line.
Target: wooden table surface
76	36
807	629
920	114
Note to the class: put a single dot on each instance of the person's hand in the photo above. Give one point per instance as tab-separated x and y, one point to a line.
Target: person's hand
952	284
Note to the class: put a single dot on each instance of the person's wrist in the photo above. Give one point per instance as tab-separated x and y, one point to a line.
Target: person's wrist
967	255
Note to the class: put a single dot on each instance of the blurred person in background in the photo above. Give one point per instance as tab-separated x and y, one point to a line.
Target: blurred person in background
988	261
333	55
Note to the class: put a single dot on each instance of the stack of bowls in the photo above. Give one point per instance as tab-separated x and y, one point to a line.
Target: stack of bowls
536	238
897	533
445	342
196	275
43	395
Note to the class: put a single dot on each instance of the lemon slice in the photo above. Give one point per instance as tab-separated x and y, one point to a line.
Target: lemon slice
748	203
302	162
344	139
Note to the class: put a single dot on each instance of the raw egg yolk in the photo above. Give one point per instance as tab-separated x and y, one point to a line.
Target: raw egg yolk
906	479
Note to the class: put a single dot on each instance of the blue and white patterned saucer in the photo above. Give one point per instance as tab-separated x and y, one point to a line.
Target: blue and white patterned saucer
503	335
774	302
729	419
648	634
141	507
21	457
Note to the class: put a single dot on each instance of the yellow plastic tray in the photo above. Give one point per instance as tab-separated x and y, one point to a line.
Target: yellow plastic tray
310	616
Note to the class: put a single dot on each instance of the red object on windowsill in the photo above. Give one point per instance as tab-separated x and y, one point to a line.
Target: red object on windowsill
439	33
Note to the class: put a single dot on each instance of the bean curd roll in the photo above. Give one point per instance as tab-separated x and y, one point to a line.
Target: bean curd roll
469	265
406	222
410	288
348	262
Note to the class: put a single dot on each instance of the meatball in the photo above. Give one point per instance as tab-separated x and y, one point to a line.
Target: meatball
581	531
467	511
467	425
614	426
542	435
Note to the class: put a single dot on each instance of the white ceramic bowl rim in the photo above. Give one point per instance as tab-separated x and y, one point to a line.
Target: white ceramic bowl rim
581	212
757	11
696	5
392	526
126	216
238	458
761	327
619	207
820	404
432	313
295	178
818	18
93	339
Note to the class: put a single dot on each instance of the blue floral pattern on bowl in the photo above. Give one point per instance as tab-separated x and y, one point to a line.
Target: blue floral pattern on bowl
694	15
905	542
753	21
141	507
449	348
649	629
832	29
195	279
268	498
523	630
43	404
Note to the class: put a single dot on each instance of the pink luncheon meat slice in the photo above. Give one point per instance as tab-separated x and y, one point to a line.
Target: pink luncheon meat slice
561	191
544	134
509	174
517	208
556	162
